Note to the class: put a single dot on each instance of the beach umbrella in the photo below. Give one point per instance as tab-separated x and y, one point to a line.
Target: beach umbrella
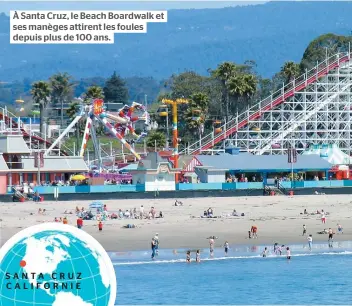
78	177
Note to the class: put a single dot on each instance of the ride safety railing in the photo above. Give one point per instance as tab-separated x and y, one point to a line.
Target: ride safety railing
254	112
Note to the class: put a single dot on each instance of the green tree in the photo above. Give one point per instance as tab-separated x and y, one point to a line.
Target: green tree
61	91
290	71
156	139
185	84
93	92
41	95
224	72
242	87
323	46
115	90
197	112
265	87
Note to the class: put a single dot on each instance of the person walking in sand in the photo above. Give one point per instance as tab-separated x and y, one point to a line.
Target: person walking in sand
254	230
310	242
141	212
339	229
304	230
79	222
323	217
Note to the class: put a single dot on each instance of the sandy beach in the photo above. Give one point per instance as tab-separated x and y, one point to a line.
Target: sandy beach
278	219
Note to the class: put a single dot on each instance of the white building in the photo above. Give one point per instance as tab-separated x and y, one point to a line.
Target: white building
155	173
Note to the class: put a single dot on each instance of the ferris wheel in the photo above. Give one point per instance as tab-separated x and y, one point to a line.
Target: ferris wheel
118	124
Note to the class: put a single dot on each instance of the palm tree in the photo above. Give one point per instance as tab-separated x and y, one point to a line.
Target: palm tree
93	92
224	72
242	86
290	71
62	90
197	111
41	92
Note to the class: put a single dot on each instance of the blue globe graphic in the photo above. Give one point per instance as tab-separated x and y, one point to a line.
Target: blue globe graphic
56	267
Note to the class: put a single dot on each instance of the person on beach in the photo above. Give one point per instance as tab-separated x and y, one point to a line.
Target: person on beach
156	239
198	256
79	222
331	236
288	253
100	226
276	245
254	230
210	212
153	248
141	212
323	217
226	246
249	235
265	252
339	229
65	221
310	242
304	230
211	246
188	257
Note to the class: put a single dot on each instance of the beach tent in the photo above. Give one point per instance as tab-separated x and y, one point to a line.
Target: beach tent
331	153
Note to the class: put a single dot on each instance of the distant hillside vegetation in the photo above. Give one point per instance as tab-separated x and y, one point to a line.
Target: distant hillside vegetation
269	34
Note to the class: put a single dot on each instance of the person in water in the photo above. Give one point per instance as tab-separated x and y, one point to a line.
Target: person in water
188	256
156	239
198	256
211	246
226	246
276	245
265	252
153	244
288	253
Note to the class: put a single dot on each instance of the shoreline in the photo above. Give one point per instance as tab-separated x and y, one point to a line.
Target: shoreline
278	220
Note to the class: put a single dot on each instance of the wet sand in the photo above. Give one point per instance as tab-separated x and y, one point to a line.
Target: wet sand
278	219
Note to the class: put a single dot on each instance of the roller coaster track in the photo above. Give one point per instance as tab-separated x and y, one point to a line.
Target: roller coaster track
255	112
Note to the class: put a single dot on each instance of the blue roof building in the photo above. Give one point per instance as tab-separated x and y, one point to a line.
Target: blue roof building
214	167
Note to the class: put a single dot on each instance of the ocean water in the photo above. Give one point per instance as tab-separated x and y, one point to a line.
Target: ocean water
320	276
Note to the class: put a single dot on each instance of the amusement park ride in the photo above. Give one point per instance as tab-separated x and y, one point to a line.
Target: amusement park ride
118	125
315	108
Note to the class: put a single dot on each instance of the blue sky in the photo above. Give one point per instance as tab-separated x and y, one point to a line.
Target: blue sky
6	6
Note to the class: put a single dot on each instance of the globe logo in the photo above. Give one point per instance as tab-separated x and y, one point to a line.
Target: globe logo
55	264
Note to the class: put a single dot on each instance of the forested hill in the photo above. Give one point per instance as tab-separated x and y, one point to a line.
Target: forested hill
269	34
